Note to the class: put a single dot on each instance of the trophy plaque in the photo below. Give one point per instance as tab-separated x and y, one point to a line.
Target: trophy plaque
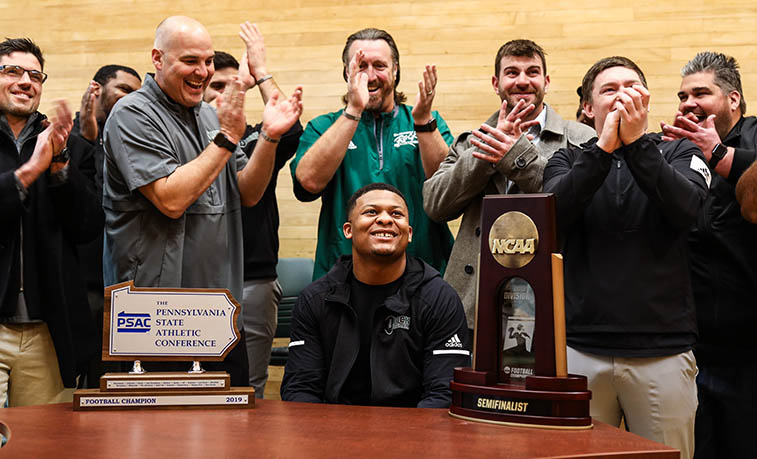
519	374
164	324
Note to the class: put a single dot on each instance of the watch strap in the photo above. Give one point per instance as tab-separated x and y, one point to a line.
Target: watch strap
428	127
718	153
222	141
61	157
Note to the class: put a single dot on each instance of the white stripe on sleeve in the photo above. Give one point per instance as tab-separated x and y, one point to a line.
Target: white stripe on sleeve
449	351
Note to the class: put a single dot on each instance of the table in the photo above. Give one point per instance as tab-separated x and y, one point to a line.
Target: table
287	429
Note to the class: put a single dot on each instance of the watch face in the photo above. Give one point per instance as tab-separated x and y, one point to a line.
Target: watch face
719	151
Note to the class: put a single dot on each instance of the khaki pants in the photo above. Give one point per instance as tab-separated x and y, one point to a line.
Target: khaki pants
29	373
657	396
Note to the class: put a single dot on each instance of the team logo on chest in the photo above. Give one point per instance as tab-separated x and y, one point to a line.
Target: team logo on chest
405	138
394	322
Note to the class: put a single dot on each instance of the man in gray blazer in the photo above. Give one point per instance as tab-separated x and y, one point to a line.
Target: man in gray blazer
506	155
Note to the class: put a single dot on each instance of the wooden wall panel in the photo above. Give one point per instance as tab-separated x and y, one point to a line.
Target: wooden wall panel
305	38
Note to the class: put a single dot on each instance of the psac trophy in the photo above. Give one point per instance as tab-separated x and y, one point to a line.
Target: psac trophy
519	374
165	324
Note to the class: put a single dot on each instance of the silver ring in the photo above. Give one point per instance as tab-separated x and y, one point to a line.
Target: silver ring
429	93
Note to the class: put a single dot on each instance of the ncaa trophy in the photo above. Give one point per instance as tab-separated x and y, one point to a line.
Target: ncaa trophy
519	374
167	324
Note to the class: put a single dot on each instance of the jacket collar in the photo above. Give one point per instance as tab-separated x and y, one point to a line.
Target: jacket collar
552	122
370	117
735	133
32	128
339	288
153	91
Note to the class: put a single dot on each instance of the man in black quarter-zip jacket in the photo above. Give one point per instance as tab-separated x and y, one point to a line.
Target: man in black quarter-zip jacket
625	203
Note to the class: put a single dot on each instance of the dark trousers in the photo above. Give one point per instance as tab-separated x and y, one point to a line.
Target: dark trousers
726	423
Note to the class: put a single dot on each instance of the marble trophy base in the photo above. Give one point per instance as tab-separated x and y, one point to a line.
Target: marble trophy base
544	402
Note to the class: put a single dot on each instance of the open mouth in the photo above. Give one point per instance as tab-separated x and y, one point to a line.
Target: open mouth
373	90
197	86
387	235
22	95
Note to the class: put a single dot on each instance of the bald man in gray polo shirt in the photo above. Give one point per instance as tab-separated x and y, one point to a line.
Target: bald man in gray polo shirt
174	179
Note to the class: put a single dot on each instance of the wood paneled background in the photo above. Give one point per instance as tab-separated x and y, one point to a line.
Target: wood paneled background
305	38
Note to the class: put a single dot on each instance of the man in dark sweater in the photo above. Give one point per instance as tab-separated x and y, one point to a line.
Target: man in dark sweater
625	203
723	254
381	327
260	223
47	206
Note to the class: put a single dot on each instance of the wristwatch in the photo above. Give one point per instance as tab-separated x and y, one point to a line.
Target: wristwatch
61	157
718	153
428	127
223	142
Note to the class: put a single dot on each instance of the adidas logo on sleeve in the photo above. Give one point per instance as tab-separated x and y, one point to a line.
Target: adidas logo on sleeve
454	342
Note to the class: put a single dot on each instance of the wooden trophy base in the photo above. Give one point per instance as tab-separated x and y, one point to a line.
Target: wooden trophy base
165	381
544	402
156	390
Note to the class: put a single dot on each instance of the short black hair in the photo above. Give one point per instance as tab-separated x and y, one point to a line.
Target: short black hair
22	45
372	187
519	48
224	60
603	64
108	72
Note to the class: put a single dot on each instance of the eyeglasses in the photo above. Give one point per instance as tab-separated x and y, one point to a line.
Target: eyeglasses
16	72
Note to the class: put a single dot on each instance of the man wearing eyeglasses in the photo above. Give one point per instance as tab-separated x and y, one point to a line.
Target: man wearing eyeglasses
47	206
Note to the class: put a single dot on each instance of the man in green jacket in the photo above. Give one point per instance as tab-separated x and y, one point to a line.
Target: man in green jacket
375	138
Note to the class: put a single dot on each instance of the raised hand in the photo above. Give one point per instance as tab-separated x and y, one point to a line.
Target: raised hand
609	139
493	143
425	98
253	39
280	114
357	85
231	110
633	106
88	112
512	123
705	136
248	81
53	139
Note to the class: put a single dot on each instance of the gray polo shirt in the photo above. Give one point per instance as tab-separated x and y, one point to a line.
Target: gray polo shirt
147	136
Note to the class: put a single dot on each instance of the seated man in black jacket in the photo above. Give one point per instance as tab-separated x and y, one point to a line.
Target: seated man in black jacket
625	203
381	328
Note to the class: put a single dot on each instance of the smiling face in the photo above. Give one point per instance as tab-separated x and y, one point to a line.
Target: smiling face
381	70
19	98
114	89
184	67
701	96
606	90
521	78
221	78
379	227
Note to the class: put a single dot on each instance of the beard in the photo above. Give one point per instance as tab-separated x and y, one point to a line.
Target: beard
512	101
723	123
377	102
19	110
